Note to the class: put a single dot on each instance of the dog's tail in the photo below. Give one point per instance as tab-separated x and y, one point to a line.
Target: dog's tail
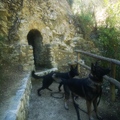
36	76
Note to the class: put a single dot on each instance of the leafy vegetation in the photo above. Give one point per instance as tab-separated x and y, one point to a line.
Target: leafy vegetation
106	35
109	42
85	15
109	34
87	22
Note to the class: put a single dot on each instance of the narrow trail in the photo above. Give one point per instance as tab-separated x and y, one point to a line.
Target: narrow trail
46	107
49	108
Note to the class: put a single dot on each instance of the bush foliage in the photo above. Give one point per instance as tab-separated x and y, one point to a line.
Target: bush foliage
105	36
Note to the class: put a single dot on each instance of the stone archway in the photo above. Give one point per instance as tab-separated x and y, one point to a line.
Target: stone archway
35	38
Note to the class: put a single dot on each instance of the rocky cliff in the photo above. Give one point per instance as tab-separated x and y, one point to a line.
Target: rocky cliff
39	33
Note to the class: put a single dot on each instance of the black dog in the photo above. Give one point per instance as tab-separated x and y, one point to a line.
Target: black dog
89	88
49	78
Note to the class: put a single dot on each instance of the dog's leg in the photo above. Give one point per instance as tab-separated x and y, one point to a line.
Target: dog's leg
38	91
59	87
66	100
49	89
76	107
66	104
67	96
96	109
88	103
42	89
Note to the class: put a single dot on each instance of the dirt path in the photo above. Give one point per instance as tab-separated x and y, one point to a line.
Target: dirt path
49	108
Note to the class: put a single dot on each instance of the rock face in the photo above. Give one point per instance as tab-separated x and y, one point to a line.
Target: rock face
34	32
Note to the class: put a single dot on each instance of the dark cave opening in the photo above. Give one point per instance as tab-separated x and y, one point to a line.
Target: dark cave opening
35	38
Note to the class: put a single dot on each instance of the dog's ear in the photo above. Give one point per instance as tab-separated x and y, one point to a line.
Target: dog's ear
106	71
76	67
92	67
96	64
71	67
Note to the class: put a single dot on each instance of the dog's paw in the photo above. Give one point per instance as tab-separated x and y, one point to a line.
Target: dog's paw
66	106
91	118
60	90
38	93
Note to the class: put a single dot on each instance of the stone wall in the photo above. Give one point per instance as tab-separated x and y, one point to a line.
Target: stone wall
55	22
62	58
20	102
52	18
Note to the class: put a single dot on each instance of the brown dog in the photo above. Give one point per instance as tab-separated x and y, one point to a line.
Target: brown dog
89	88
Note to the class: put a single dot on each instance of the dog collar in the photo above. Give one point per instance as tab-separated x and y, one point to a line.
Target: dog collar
69	75
93	79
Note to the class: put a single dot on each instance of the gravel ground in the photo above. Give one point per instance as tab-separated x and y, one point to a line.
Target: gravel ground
46	107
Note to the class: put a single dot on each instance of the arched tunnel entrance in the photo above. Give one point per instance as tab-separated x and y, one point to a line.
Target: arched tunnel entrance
35	38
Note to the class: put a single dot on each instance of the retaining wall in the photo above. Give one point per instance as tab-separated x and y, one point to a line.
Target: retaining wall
20	103
19	106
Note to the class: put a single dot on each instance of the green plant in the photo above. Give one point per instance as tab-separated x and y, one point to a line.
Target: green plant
109	35
113	14
87	20
1	38
109	42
